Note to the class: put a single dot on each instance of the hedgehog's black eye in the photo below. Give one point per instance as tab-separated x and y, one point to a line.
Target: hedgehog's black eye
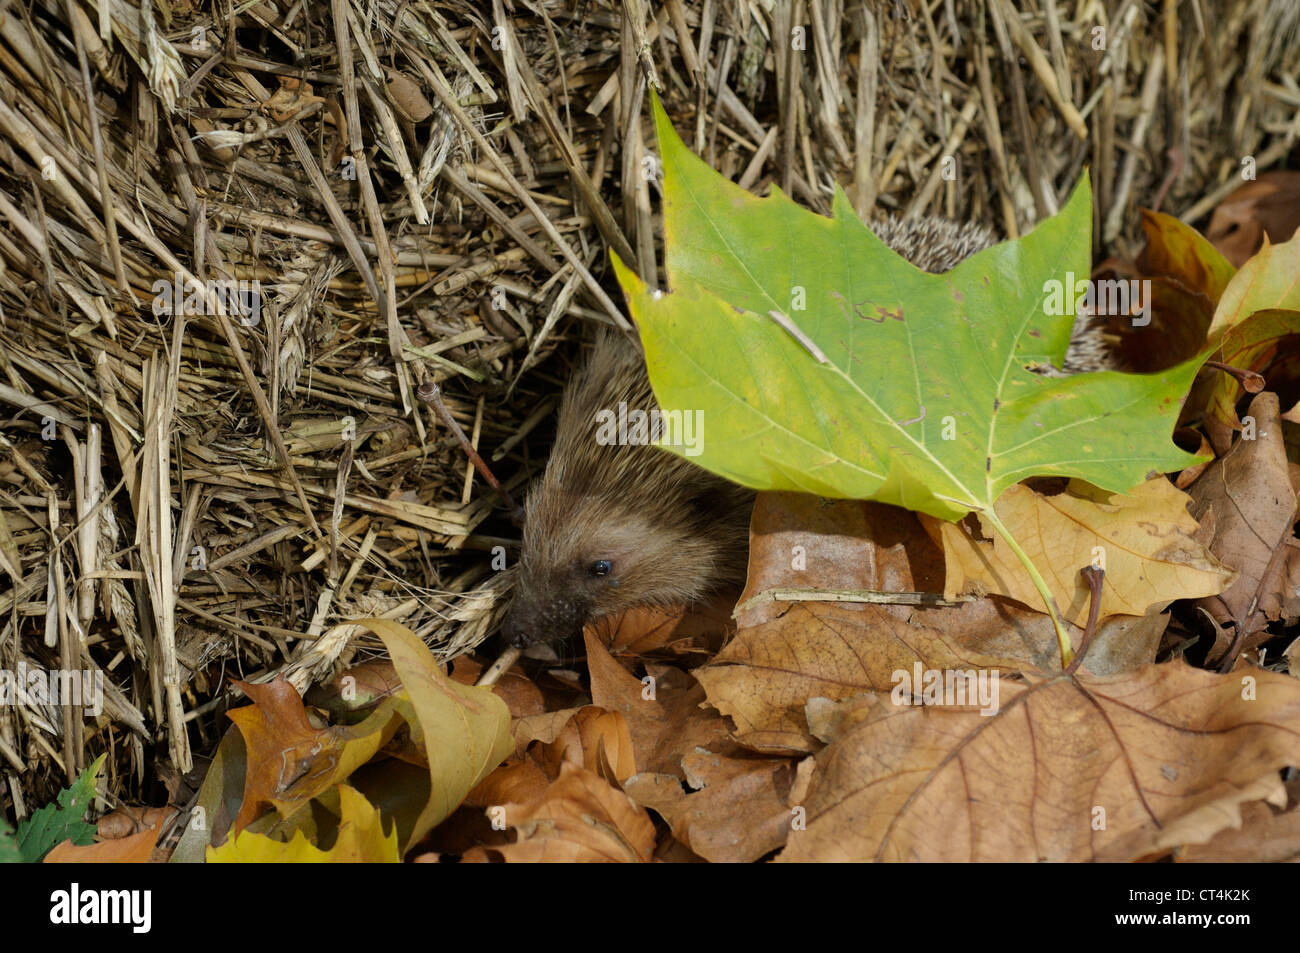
601	567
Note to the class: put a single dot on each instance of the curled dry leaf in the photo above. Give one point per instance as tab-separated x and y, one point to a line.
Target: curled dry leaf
1187	438
514	783
592	738
1177	251
1246	506
1266	835
289	761
407	97
522	697
1068	769
465	730
663	711
1268	206
1184	276
579	818
1142	539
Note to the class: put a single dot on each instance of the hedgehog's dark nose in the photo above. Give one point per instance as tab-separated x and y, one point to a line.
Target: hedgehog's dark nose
515	631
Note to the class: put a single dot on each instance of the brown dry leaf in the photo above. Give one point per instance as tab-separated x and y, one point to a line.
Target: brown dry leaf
1268	834
798	540
516	782
1143	539
579	818
1280	598
808	542
766	675
125	837
522	696
737	813
545	727
1270	206
592	738
407	97
1292	655
1193	441
289	761
663	711
1007	630
1068	769
1246	506
290	99
1187	277
786	653
678	631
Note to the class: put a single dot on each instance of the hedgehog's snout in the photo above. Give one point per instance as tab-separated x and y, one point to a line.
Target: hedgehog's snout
531	621
518	634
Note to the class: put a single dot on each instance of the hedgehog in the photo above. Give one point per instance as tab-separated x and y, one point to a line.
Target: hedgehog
611	527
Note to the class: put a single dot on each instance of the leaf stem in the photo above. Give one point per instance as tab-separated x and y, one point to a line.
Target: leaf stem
1062	636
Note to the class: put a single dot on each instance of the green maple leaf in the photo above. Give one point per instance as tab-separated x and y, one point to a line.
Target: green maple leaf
922	396
911	358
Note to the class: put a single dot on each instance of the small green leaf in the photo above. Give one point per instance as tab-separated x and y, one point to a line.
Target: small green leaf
65	820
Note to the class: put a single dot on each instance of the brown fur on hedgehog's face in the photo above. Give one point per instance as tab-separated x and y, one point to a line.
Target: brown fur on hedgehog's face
586	556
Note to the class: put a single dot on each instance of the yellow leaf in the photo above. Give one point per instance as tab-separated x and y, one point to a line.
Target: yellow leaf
1143	540
361	839
465	730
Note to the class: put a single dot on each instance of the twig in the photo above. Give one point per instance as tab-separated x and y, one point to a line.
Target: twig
431	394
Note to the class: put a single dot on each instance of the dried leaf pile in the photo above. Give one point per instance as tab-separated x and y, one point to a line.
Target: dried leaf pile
224	285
